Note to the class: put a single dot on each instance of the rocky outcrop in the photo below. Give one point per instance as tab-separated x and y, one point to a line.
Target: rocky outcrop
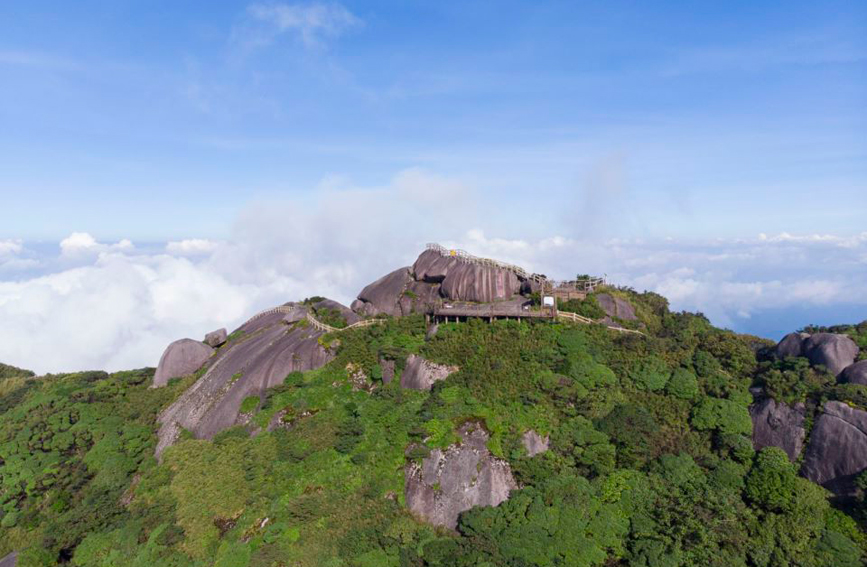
387	367
831	350
10	560
268	349
456	479
792	345
616	307
181	358
534	443
396	294
420	374
216	338
838	447
778	425
297	313
856	373
432	267
384	295
434	277
472	282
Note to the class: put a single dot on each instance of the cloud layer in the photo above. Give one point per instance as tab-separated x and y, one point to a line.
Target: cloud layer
93	304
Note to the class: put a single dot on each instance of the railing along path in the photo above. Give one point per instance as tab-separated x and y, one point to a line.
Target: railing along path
584	284
317	324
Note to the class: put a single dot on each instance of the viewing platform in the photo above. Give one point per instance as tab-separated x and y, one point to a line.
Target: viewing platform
456	311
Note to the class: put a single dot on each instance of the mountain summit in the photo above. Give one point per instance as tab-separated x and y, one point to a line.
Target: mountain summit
462	412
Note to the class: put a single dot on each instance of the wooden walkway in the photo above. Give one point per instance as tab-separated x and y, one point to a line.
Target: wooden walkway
317	324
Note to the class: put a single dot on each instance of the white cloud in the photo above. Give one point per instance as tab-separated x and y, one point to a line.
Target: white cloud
10	247
115	306
81	243
191	247
313	23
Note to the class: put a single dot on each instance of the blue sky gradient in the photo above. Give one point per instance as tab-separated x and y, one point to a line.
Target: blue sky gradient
266	151
155	120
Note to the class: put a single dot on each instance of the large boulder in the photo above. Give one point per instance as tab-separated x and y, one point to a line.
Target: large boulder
181	358
456	479
837	451
432	267
616	307
420	374
384	295
792	345
466	281
855	373
831	350
266	352
778	425
534	443
216	338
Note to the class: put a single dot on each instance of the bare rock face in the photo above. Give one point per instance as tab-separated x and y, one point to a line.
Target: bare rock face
297	313
267	350
616	307
432	267
456	479
387	370
778	425
534	443
792	345
838	447
856	373
10	560
383	295
472	282
396	294
181	358
420	374
834	351
462	281
216	338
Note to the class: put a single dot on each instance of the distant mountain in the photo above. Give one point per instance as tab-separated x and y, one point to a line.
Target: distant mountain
449	419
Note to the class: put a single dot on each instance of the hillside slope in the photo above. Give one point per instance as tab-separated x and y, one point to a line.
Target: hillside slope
538	443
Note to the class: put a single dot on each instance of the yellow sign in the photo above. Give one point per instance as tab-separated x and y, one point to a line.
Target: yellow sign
453	252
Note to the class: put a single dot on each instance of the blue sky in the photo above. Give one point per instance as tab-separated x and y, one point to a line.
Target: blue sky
152	120
267	131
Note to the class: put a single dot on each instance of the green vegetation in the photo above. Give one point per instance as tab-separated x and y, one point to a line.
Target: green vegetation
650	460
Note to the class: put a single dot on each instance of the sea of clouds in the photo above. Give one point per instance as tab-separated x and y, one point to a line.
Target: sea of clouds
82	303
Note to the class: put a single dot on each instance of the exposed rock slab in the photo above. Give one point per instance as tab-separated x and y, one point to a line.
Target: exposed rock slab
432	267
297	313
419	297
616	307
534	443
838	446
384	295
420	374
792	345
855	373
456	479
10	560
778	425
216	338
260	359
482	284
387	370
834	351
181	358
